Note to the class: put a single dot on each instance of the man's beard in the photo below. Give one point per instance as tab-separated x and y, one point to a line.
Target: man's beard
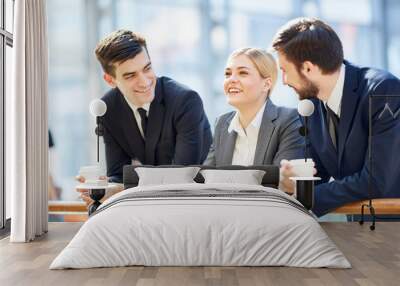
307	91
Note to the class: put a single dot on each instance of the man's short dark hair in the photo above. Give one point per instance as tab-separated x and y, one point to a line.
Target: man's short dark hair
306	39
118	47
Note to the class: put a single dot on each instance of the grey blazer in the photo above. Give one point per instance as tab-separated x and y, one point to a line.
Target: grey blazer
278	138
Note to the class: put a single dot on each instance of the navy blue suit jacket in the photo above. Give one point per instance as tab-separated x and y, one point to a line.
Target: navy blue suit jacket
178	131
348	165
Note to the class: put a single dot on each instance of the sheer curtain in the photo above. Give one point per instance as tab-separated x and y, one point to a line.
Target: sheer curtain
26	121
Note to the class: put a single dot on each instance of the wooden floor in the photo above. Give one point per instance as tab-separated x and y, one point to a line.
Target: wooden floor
375	256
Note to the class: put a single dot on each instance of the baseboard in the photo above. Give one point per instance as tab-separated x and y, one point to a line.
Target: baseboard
5	231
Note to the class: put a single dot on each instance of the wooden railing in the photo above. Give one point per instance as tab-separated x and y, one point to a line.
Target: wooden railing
381	206
67	206
77	211
68	211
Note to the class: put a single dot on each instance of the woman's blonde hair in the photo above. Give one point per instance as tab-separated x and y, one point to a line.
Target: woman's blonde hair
263	61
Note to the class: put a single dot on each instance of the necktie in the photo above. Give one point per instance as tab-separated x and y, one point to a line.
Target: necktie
143	117
333	123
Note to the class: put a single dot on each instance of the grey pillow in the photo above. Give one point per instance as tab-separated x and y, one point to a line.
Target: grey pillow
248	177
163	176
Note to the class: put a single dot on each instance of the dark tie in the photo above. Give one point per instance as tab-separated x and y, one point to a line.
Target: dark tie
333	124
143	117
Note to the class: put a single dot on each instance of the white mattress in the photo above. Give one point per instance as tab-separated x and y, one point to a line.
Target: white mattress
184	230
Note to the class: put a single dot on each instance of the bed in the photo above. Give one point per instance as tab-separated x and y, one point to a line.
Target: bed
201	224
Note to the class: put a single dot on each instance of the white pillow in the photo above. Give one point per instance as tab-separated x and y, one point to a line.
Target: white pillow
248	177
165	176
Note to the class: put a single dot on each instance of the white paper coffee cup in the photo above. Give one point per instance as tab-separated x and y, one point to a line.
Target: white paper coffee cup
91	173
303	168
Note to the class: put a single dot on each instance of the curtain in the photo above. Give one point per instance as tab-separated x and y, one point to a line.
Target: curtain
26	121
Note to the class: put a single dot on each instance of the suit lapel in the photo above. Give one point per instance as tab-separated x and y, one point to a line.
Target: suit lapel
348	106
131	130
228	141
265	134
154	124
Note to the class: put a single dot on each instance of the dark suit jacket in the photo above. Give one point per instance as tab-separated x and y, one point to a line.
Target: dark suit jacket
278	138
178	131
349	164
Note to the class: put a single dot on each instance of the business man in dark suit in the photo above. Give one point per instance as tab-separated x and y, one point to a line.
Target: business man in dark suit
311	59
149	120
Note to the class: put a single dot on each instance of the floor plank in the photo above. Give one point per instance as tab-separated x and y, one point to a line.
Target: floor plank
375	257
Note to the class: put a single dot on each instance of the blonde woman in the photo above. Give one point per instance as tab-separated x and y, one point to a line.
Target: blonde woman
257	132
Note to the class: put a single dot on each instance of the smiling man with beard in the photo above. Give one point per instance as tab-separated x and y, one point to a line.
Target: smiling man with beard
310	56
150	120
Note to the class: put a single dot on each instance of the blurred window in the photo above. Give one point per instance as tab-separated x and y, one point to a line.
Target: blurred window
190	42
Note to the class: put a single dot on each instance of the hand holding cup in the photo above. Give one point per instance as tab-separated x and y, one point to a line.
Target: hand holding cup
294	168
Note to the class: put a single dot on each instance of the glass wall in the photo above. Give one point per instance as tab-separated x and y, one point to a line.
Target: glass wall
188	41
392	36
6	43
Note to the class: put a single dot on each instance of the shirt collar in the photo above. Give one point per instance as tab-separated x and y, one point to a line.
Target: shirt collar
335	100
256	122
134	108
